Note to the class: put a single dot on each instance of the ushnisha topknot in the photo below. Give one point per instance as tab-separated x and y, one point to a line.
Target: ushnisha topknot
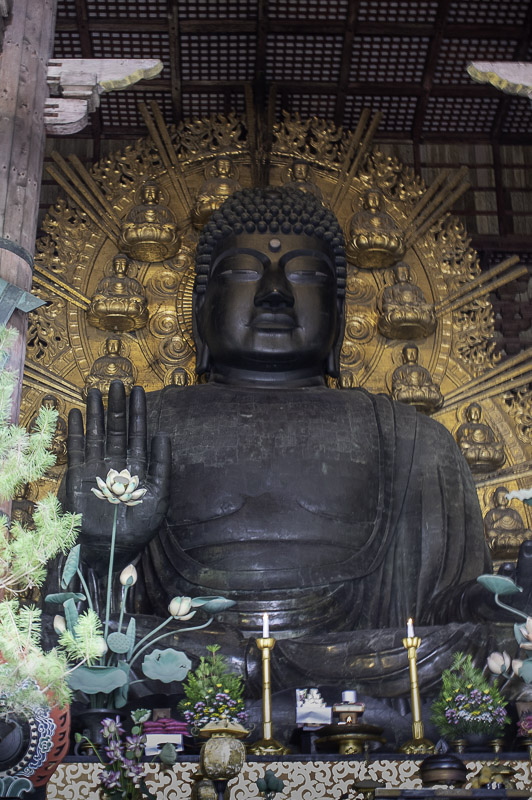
274	209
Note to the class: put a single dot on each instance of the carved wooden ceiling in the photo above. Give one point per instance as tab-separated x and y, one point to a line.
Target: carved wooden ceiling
328	58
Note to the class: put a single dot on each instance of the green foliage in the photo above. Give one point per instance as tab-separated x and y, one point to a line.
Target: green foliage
212	691
28	674
467	702
29	677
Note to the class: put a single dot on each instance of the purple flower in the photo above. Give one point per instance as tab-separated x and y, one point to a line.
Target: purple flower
135	745
111	779
111	727
113	750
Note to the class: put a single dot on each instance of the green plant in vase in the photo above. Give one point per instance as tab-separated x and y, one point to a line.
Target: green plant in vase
213	695
107	683
468	704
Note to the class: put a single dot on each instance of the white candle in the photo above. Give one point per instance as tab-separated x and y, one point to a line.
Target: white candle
410	629
265	626
349	697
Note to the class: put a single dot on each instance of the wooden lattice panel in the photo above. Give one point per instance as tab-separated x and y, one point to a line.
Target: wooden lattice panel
388	59
302	57
221	57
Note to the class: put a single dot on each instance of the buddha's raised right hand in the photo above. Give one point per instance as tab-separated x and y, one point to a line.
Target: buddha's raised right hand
115	447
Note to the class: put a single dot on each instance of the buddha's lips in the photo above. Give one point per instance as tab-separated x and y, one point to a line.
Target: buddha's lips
273	321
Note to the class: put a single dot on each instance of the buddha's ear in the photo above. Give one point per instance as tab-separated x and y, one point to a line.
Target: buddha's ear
333	359
202	351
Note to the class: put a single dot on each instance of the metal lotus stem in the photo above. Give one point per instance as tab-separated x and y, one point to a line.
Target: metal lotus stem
267	745
418	743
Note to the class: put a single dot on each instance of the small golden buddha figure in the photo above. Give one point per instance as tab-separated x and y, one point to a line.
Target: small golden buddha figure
374	240
111	366
477	442
412	384
177	377
59	440
150	230
504	528
220	183
405	314
119	302
301	178
23	507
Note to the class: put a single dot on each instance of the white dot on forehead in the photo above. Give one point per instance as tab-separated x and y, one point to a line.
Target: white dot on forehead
274	245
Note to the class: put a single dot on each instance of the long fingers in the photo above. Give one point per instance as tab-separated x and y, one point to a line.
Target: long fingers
75	439
161	462
116	441
94	441
137	441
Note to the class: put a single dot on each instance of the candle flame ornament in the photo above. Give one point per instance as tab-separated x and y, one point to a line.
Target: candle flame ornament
267	745
418	743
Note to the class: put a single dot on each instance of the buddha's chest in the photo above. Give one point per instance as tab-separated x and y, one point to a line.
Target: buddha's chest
288	453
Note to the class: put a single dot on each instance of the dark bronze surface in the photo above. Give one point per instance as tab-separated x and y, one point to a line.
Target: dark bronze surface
340	513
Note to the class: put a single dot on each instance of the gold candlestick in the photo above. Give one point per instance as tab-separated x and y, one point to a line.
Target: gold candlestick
418	743
267	745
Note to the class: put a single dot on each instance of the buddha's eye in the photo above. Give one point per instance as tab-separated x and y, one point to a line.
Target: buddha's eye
240	266
308	269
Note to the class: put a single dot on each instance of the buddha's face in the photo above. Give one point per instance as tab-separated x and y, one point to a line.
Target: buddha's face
402	273
223	167
500	498
270	305
120	265
473	413
150	194
113	346
49	401
373	201
300	171
410	354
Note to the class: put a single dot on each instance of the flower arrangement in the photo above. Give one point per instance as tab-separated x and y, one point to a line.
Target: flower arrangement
213	693
122	776
468	703
107	682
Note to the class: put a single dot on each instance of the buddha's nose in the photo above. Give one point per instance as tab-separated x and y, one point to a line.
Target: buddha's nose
274	291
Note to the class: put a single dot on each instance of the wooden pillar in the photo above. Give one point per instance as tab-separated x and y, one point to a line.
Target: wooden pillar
27	47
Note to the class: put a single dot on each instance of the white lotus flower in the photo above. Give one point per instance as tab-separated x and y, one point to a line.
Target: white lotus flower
119	487
499	662
128	576
180	607
59	624
516	666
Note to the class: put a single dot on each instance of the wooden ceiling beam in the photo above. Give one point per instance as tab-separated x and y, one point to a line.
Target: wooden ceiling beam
345	62
430	68
82	19
214	26
175	62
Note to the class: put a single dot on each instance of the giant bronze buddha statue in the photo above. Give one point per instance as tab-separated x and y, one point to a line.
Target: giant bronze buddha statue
340	513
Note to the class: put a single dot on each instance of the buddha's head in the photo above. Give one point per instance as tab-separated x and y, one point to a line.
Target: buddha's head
401	273
410	353
300	170
474	412
223	166
373	200
150	193
500	499
270	288
113	346
49	401
120	264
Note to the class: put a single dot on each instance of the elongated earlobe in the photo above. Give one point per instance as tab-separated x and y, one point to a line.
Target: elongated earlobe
203	361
